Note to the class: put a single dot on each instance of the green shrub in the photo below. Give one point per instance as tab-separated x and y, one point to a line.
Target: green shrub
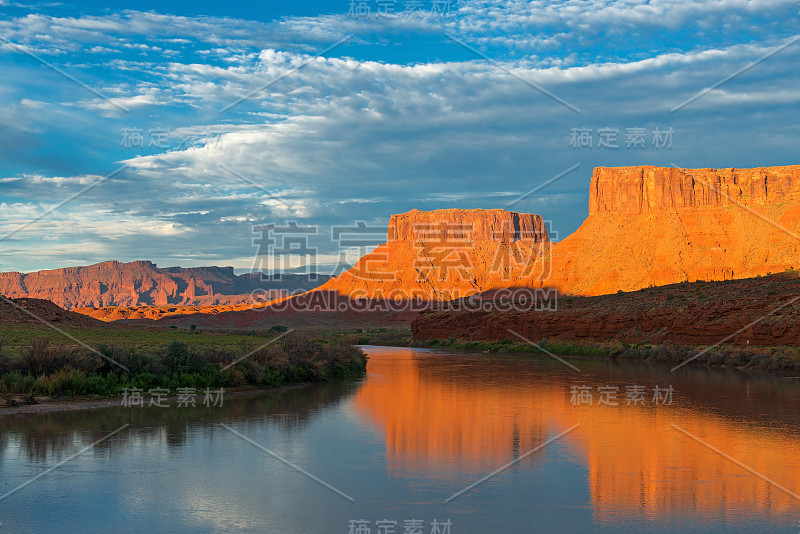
177	358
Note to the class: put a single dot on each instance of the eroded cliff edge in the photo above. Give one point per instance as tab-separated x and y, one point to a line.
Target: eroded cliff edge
636	190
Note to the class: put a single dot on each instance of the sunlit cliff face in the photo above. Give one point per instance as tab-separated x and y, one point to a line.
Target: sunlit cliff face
449	254
646	226
448	424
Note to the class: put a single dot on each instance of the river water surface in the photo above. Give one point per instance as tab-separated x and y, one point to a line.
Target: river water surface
427	441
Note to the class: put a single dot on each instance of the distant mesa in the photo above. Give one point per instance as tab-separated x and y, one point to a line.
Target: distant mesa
142	283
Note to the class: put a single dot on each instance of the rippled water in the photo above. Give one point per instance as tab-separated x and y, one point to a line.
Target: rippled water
405	442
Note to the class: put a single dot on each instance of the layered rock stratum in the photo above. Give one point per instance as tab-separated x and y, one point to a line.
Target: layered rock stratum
143	283
659	228
636	190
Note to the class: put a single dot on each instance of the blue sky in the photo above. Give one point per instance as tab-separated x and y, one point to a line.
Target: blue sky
221	116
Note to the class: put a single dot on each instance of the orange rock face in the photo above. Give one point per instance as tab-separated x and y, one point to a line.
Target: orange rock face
448	254
651	226
647	226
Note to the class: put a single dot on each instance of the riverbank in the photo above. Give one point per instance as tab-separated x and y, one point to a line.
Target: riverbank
744	322
164	362
779	359
770	359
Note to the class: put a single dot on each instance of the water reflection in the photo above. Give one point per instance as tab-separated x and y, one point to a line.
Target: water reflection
46	437
483	411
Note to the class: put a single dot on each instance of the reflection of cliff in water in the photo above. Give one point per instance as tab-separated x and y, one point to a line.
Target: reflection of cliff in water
47	437
435	414
446	415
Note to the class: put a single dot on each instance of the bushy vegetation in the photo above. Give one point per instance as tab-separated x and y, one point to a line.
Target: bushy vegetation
46	369
393	337
563	348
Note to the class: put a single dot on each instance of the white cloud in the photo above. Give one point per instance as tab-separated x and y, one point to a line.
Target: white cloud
115	105
32	104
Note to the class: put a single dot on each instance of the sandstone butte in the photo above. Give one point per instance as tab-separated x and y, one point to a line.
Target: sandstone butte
447	254
647	226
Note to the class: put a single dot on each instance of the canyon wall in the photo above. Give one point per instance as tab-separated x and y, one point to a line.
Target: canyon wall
647	226
652	227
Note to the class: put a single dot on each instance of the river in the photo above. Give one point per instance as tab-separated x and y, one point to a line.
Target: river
427	441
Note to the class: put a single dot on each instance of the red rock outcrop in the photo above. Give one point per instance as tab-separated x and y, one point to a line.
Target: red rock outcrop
142	283
647	226
651	226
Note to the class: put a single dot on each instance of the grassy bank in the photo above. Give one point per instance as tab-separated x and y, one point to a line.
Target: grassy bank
782	359
167	359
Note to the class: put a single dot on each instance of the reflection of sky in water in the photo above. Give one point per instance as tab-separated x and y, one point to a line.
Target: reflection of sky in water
419	428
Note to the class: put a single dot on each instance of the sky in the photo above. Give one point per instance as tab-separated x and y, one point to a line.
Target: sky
177	131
